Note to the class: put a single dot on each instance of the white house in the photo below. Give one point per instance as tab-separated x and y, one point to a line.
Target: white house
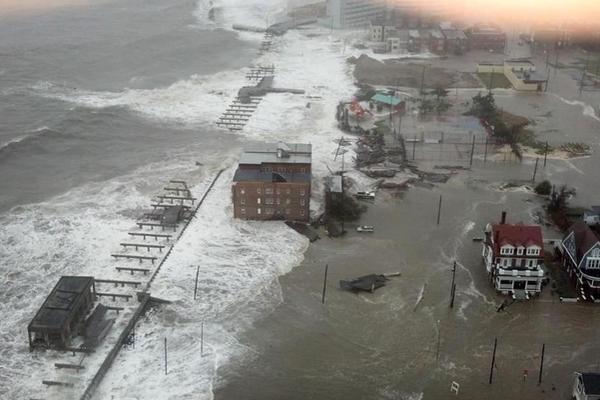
513	257
586	386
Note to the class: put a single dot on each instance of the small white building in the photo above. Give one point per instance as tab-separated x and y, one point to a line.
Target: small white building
592	216
586	386
513	257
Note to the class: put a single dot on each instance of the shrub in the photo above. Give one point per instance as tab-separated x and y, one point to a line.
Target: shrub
544	188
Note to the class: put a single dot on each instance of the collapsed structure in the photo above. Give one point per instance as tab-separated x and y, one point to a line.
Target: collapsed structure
62	314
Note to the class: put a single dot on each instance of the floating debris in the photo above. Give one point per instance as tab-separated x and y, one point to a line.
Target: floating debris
367	283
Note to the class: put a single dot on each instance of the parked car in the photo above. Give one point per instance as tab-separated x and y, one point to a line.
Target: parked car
365	195
365	228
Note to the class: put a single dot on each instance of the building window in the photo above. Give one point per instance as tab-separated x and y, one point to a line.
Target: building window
269	211
302	212
287	211
258	201
519	251
258	210
242	201
593	262
258	190
302	202
303	170
302	192
278	201
505	282
268	190
243	210
287	201
278	191
269	200
532	251
532	283
288	191
242	191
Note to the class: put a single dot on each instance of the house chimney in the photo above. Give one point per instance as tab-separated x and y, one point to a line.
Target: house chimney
503	219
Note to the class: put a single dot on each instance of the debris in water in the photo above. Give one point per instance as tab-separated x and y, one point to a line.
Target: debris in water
367	283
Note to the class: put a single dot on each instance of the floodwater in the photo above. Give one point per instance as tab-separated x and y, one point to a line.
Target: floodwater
385	345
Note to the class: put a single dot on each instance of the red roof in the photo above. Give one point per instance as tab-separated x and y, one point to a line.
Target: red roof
517	235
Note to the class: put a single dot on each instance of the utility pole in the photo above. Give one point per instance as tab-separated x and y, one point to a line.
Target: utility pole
422	80
542	363
545	154
472	151
202	339
453	286
535	169
485	151
439	210
414	146
437	349
196	285
166	356
493	360
324	284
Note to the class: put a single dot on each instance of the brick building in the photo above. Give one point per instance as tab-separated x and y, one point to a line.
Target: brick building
486	37
273	182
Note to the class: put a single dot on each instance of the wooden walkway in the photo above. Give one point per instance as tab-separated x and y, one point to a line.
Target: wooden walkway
143	296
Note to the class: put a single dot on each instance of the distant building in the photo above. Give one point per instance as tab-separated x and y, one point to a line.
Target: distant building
415	41
456	41
486	37
436	42
354	13
388	101
592	216
586	386
581	258
333	190
520	73
273	181
513	257
62	313
551	37
415	14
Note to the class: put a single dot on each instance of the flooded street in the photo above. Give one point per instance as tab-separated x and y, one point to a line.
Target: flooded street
384	345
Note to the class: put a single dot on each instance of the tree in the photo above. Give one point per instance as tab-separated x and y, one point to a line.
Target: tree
426	106
484	107
544	188
439	92
559	200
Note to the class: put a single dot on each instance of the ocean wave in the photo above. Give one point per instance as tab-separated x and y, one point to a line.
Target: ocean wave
24	141
199	99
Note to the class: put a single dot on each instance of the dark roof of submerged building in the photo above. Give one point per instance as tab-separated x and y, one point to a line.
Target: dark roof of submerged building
251	175
55	311
591	381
